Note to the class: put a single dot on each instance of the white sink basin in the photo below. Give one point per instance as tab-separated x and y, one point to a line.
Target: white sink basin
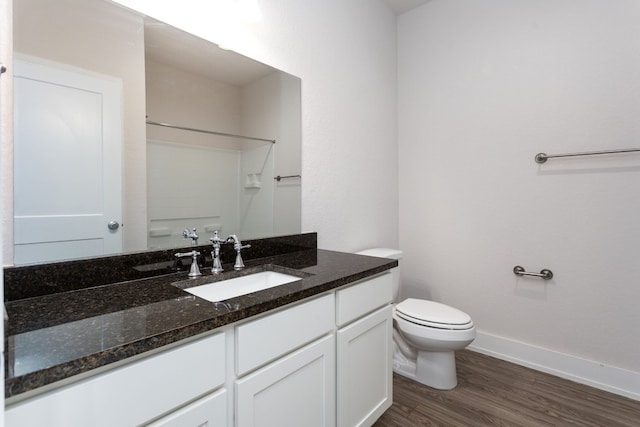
230	288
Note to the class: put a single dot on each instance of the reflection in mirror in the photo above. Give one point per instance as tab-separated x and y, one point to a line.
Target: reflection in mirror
171	179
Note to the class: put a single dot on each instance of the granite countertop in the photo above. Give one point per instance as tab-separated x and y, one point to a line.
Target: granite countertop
56	336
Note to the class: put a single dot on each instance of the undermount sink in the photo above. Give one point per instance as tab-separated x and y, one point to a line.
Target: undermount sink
230	288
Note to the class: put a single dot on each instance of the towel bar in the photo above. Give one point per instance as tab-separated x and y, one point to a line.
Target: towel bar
545	274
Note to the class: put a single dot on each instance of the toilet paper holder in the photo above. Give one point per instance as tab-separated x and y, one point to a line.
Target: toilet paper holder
545	274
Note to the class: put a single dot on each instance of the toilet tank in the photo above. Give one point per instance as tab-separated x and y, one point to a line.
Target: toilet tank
387	253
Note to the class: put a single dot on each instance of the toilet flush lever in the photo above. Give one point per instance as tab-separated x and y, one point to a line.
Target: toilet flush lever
545	274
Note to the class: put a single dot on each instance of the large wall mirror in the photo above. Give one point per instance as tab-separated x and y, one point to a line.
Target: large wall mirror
128	131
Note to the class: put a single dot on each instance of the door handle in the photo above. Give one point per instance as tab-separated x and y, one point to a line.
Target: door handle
113	225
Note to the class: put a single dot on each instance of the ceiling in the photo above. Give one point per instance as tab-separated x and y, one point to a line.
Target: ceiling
402	6
168	45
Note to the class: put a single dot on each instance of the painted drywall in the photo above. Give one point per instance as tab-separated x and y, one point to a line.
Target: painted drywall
345	54
483	87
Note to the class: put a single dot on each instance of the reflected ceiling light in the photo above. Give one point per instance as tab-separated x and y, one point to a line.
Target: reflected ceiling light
248	11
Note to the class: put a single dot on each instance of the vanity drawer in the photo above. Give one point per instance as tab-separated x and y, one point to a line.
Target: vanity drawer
131	394
363	297
269	337
208	411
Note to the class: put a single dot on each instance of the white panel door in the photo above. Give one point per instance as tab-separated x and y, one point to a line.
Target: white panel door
67	163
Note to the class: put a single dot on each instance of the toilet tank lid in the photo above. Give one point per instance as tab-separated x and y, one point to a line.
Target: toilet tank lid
382	253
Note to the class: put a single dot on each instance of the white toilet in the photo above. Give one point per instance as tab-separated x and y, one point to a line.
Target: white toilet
426	334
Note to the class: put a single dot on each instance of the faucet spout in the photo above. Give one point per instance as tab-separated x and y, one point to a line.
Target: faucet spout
216	241
191	235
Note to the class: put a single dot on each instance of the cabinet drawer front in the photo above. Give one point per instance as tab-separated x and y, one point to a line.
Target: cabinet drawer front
363	297
209	411
265	339
131	394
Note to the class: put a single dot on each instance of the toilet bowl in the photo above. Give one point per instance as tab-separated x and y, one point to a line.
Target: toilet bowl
426	334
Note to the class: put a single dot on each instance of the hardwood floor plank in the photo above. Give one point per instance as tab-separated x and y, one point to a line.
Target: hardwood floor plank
493	392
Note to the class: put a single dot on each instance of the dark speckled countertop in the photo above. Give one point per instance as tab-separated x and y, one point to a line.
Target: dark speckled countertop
55	336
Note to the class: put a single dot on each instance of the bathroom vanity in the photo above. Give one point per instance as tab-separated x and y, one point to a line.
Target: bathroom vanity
142	351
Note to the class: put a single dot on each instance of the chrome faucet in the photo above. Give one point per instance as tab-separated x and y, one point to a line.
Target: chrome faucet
191	235
194	271
237	245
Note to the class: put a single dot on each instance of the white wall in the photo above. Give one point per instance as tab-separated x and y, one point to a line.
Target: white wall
345	54
483	87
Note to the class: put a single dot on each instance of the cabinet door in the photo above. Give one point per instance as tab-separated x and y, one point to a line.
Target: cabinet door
365	361
296	390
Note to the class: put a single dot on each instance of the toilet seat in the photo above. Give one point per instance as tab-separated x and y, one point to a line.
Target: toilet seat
432	314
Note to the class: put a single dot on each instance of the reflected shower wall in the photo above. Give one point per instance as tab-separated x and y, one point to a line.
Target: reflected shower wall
225	190
212	182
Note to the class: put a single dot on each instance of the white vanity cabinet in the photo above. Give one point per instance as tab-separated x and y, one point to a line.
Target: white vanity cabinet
138	392
285	364
364	351
324	361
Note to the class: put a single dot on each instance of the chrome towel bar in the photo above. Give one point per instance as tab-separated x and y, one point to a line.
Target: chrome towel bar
544	274
542	157
278	178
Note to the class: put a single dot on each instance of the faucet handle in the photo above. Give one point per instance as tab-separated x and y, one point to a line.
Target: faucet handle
239	264
194	271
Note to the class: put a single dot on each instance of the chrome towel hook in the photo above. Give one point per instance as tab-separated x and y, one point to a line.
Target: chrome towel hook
545	274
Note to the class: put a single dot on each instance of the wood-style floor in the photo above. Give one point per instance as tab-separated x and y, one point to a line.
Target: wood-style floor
492	392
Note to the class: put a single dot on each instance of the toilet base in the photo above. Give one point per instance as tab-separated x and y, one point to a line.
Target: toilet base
434	369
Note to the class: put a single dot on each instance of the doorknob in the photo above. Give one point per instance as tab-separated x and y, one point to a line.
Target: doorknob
113	225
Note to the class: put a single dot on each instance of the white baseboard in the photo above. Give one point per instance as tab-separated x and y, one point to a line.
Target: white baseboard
609	378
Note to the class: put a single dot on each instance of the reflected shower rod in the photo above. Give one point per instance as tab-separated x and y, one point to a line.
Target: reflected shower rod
210	132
